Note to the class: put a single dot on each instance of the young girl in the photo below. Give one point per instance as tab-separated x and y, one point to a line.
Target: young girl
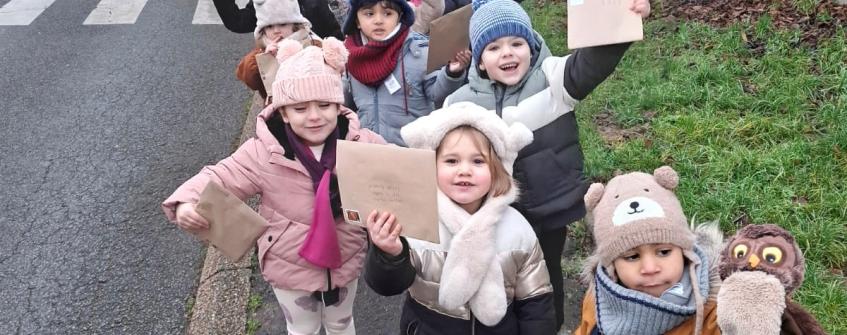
513	67
275	20
309	255
487	274
387	80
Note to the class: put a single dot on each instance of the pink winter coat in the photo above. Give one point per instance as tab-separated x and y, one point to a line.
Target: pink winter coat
287	201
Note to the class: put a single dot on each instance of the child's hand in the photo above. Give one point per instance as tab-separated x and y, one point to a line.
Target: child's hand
460	62
641	7
385	232
187	218
271	49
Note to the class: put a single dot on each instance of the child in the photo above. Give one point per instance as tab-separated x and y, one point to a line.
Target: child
309	255
275	20
513	67
487	274
649	274
387	80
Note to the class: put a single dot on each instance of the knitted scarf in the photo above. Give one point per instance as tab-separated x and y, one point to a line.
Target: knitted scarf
471	272
371	63
624	311
321	245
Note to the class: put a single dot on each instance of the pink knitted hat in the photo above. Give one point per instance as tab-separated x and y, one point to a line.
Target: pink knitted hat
310	74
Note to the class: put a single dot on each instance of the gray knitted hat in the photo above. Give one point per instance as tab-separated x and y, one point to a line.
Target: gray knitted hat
270	12
493	19
635	209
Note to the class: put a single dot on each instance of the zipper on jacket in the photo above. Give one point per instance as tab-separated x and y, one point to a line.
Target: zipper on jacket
499	94
376	111
473	323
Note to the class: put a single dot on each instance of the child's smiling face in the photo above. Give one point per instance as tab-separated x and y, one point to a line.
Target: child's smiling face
650	268
506	60
462	173
312	121
377	22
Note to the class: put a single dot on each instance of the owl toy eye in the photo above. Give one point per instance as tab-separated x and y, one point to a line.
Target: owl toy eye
739	251
772	255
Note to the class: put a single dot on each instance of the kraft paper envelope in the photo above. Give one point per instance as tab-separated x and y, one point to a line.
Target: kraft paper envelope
389	178
233	226
447	36
268	66
602	22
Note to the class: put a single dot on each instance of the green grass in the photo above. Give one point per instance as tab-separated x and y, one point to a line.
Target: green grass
760	132
253	304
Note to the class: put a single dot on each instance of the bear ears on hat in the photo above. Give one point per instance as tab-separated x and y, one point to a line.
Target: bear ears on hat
334	52
665	176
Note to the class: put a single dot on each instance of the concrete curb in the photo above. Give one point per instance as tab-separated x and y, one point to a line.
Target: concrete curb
220	305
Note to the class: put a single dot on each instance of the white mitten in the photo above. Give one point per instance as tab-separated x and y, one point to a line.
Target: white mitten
751	303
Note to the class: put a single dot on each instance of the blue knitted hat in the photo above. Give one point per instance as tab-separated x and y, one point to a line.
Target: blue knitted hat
493	19
407	17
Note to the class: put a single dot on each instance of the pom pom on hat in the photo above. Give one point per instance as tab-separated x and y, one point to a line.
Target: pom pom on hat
309	74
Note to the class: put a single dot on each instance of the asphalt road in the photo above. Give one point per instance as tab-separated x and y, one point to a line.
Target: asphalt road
99	124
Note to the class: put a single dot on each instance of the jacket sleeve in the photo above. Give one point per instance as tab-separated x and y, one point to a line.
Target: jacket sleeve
248	72
237	20
388	275
533	295
425	13
588	67
438	85
323	20
237	173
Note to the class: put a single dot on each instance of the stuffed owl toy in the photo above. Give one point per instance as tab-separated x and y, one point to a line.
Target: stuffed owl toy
761	265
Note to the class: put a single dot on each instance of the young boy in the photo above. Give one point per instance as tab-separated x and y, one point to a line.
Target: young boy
512	67
386	78
649	274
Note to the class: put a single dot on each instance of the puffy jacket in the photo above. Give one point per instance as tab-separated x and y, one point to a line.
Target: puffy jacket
266	165
384	112
419	266
550	169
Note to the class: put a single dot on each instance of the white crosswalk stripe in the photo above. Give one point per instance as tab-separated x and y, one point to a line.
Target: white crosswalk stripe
115	12
22	12
207	14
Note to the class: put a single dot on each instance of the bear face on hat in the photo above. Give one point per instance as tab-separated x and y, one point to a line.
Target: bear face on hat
635	209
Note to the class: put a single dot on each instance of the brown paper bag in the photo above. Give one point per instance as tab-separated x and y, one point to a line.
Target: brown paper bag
268	66
447	36
602	22
233	226
389	178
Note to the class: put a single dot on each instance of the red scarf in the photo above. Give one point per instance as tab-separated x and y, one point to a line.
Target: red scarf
371	63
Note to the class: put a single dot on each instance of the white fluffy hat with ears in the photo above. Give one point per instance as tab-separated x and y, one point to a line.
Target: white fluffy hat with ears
427	132
309	74
270	12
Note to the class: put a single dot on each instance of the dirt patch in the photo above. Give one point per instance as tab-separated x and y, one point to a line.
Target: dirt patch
613	134
815	23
